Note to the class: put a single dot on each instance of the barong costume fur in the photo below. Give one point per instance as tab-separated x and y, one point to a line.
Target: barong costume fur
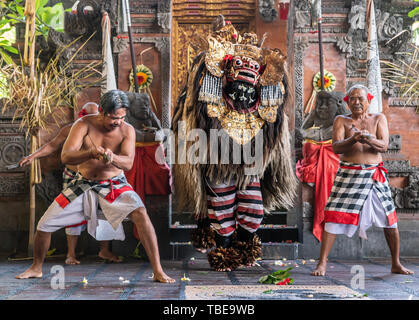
240	89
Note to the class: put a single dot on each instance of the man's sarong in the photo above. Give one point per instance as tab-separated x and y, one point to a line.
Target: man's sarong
68	176
354	184
104	230
228	207
80	200
319	166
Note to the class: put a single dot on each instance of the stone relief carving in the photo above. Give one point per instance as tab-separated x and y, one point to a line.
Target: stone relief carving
267	10
164	6
13	185
354	43
164	20
302	13
51	186
395	143
300	45
408	197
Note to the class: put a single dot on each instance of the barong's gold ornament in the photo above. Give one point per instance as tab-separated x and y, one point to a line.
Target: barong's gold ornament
241	127
232	57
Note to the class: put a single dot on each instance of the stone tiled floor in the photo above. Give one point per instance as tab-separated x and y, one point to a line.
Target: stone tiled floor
104	281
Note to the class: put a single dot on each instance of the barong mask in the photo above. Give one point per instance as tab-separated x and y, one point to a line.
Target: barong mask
243	85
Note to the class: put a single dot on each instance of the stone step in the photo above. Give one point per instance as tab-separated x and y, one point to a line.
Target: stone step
270	250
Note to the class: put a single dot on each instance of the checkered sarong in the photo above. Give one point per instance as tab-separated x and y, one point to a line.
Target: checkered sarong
351	187
68	175
116	196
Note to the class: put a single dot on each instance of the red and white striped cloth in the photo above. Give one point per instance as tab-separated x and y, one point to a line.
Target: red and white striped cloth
229	207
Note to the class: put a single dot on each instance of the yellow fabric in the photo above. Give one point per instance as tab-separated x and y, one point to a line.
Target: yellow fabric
317	142
146	144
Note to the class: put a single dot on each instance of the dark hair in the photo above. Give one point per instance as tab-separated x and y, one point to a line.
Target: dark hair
113	100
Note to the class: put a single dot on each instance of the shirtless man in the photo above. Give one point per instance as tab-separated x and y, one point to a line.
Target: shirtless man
360	195
55	144
102	146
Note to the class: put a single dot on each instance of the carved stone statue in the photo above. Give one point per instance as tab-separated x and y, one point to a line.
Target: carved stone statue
146	124
318	125
408	197
412	191
267	10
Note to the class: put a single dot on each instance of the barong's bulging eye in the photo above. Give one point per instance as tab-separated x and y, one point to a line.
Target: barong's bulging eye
238	62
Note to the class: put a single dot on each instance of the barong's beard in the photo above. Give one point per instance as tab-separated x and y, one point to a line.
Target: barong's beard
242	95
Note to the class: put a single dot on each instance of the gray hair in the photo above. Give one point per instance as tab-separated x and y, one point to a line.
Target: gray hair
358	86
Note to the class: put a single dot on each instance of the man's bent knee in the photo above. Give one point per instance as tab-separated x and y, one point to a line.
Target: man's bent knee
138	214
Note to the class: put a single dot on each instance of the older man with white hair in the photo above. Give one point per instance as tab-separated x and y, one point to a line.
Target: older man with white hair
360	195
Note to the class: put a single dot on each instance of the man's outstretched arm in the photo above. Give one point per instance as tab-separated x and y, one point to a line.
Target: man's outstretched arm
47	148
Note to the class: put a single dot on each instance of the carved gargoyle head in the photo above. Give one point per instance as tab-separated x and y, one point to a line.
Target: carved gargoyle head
329	105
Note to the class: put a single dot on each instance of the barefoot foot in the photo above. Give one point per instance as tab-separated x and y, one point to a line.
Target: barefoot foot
71	260
398	268
30	273
320	269
163	278
109	256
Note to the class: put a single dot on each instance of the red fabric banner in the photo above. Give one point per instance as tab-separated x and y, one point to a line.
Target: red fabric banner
150	174
319	166
283	10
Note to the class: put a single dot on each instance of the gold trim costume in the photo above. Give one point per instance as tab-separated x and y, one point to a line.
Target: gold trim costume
240	88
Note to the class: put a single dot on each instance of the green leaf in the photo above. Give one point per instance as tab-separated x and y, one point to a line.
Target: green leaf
413	13
6	57
20	10
263	279
278	273
11	49
39	4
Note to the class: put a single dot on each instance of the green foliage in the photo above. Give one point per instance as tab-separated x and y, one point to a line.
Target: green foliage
277	277
46	17
6	41
414	12
49	17
415	25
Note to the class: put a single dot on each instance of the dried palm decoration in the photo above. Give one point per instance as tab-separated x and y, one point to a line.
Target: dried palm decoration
34	94
33	99
403	74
